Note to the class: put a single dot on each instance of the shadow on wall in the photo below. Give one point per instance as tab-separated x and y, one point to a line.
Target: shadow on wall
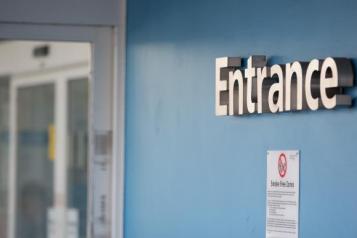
239	21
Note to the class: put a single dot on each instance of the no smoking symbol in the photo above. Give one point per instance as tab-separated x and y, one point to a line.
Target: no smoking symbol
282	165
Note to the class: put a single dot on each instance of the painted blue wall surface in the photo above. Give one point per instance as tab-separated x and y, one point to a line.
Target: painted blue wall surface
190	174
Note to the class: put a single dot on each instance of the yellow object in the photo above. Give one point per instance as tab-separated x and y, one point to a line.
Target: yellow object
51	142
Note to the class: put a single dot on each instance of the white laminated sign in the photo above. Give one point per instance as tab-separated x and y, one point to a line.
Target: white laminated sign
282	202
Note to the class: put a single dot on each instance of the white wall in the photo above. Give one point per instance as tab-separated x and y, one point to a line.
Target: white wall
84	12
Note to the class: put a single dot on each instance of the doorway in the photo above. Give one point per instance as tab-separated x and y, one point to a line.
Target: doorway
104	213
50	140
48	104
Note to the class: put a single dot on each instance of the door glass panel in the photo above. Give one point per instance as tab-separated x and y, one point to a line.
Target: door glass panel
35	166
77	163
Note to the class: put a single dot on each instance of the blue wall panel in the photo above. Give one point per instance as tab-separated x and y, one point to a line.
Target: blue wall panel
190	174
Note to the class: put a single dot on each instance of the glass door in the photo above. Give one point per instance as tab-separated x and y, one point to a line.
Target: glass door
58	47
49	156
35	159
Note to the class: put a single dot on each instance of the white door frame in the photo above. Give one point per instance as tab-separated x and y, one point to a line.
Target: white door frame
106	110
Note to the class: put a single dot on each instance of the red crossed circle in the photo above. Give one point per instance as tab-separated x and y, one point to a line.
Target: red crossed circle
282	165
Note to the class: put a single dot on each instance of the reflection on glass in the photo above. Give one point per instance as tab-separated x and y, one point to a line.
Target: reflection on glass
37	81
34	167
78	150
4	144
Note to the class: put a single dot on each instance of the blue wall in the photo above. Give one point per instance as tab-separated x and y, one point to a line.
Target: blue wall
190	174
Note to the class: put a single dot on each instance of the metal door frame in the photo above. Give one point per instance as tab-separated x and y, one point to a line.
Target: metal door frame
106	109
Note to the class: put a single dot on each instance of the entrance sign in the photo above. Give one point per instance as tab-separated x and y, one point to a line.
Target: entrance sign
291	87
282	208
